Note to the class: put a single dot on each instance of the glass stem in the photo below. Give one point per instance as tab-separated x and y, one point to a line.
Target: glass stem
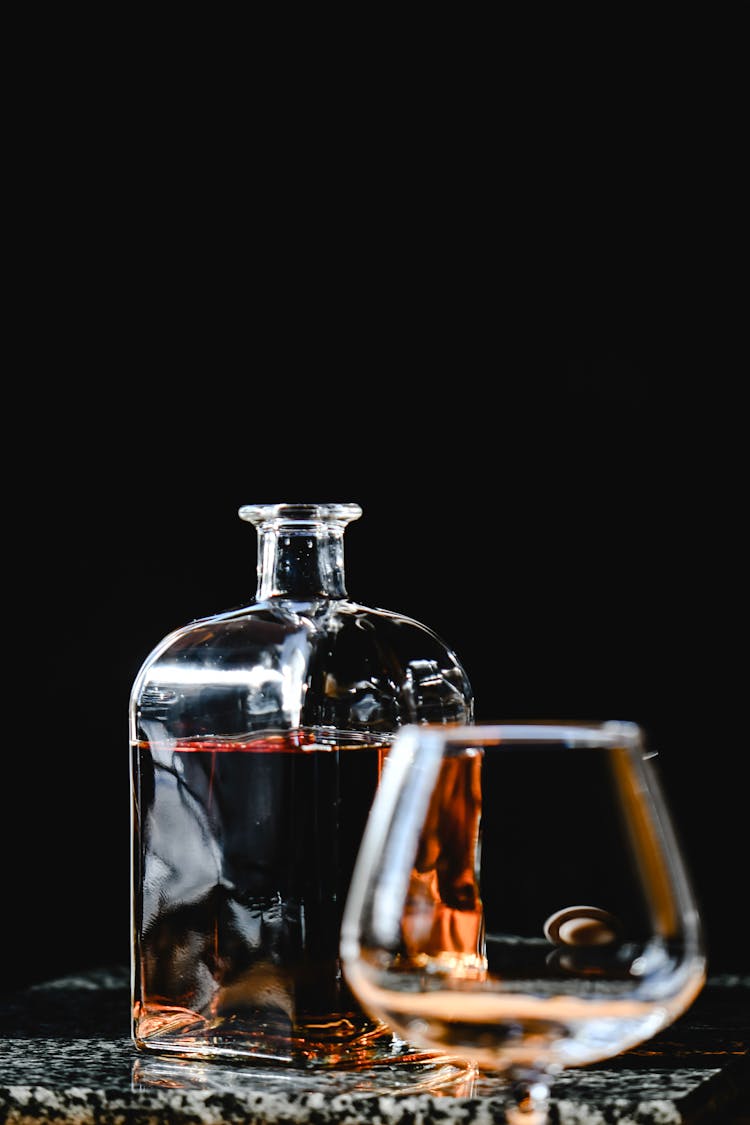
530	1096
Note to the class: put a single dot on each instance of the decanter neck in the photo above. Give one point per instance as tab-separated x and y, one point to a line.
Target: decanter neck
297	563
300	549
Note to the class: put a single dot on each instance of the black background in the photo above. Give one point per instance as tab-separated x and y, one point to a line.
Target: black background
560	540
528	373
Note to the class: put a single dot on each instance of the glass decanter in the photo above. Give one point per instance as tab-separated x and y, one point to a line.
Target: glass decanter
257	740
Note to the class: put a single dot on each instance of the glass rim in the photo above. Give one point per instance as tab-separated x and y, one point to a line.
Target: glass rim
612	732
302	513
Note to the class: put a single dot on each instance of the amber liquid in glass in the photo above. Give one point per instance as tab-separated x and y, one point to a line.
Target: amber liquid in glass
243	857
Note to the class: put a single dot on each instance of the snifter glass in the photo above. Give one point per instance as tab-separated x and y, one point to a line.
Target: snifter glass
520	897
258	736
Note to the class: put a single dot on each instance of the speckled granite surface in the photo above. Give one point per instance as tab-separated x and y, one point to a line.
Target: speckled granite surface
65	1056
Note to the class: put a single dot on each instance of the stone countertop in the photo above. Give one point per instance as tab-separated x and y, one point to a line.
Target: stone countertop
66	1056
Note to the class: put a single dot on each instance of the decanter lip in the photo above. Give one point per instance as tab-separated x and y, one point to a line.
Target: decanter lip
305	514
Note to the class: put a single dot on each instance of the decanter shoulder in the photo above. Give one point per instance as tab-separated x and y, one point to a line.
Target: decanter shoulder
280	663
210	647
393	669
396	630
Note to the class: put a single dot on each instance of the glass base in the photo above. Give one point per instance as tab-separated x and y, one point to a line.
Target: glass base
340	1043
340	1055
405	1072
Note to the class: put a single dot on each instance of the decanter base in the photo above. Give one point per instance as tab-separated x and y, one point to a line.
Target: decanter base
393	1069
338	1044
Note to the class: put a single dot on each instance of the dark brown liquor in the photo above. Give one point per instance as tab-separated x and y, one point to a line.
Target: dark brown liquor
244	856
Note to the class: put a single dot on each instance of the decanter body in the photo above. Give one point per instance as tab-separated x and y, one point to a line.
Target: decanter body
257	741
